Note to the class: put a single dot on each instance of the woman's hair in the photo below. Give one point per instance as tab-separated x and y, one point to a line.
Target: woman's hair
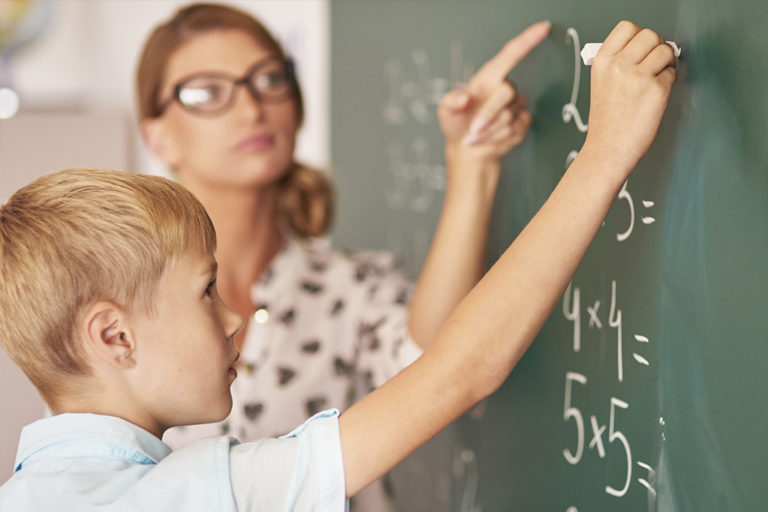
77	237
305	201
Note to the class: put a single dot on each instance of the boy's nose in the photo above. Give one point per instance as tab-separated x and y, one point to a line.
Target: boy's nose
233	322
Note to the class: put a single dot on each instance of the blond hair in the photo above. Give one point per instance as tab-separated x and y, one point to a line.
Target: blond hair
305	199
79	236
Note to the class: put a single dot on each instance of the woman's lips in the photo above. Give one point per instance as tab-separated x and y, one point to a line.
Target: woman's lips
256	143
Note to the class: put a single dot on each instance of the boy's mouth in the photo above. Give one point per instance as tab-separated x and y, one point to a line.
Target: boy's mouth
232	370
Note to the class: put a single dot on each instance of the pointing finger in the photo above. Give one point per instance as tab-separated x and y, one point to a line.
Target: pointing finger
497	68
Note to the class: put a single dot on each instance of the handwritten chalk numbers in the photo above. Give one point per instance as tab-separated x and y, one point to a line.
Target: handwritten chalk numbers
574	413
413	93
586	433
570	110
647	219
572	300
466	476
614	320
573	313
603	438
623	194
416	181
615	435
416	169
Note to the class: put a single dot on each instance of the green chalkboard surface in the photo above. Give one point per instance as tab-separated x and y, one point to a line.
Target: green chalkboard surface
646	389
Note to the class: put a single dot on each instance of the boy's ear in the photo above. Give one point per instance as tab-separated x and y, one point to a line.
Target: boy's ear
108	335
153	132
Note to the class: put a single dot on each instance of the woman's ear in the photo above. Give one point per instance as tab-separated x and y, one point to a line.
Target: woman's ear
108	336
153	131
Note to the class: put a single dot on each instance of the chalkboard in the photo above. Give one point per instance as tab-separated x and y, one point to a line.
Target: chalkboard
646	389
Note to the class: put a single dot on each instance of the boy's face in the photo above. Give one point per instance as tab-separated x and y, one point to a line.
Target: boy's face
185	351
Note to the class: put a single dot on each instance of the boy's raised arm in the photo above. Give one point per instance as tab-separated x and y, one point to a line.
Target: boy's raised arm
490	330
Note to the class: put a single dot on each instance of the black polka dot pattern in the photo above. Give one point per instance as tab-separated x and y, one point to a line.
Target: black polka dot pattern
288	316
315	405
369	328
338	306
311	346
342	367
310	287
253	410
285	375
364	270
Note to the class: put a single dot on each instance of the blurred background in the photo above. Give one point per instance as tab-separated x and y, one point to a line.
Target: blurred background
66	100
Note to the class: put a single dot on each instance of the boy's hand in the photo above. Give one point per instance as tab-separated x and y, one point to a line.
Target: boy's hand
489	117
632	76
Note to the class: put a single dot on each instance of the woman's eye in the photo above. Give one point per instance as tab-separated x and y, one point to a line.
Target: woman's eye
198	95
271	80
204	91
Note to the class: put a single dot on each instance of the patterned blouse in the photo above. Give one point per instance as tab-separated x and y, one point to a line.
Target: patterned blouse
328	328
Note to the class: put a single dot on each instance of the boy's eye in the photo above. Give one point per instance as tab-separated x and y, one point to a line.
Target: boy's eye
211	289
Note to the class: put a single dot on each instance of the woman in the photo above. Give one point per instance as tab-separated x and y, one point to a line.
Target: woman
219	104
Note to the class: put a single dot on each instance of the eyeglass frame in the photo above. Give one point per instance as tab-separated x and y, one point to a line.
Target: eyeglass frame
245	80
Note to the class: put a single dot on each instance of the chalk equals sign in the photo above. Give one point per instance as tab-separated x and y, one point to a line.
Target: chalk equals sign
640	359
643	481
648	220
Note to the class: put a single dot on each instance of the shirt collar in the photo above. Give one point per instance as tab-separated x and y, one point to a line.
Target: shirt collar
81	434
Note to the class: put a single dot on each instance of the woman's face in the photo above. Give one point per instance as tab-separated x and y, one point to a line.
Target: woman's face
250	143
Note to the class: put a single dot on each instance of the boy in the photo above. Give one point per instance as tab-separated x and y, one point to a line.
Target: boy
137	340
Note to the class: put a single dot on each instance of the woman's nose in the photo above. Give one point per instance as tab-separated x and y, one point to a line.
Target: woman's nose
248	103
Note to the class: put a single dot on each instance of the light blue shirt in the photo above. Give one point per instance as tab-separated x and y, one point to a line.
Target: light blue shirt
82	462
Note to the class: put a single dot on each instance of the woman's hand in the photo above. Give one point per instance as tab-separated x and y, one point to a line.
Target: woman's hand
488	117
480	123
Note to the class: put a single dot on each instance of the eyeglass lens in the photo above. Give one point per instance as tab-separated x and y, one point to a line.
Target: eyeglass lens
269	81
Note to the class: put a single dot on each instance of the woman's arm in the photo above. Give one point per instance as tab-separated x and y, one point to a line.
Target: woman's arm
480	123
489	331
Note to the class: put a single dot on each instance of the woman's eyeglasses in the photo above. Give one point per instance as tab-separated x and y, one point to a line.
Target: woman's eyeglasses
269	81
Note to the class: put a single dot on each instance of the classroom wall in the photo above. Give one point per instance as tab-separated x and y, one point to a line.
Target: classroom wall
86	57
79	73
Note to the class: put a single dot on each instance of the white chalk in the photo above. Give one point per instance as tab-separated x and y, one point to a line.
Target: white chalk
590	50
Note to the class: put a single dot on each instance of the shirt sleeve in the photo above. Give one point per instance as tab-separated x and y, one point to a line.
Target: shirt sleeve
302	471
385	343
